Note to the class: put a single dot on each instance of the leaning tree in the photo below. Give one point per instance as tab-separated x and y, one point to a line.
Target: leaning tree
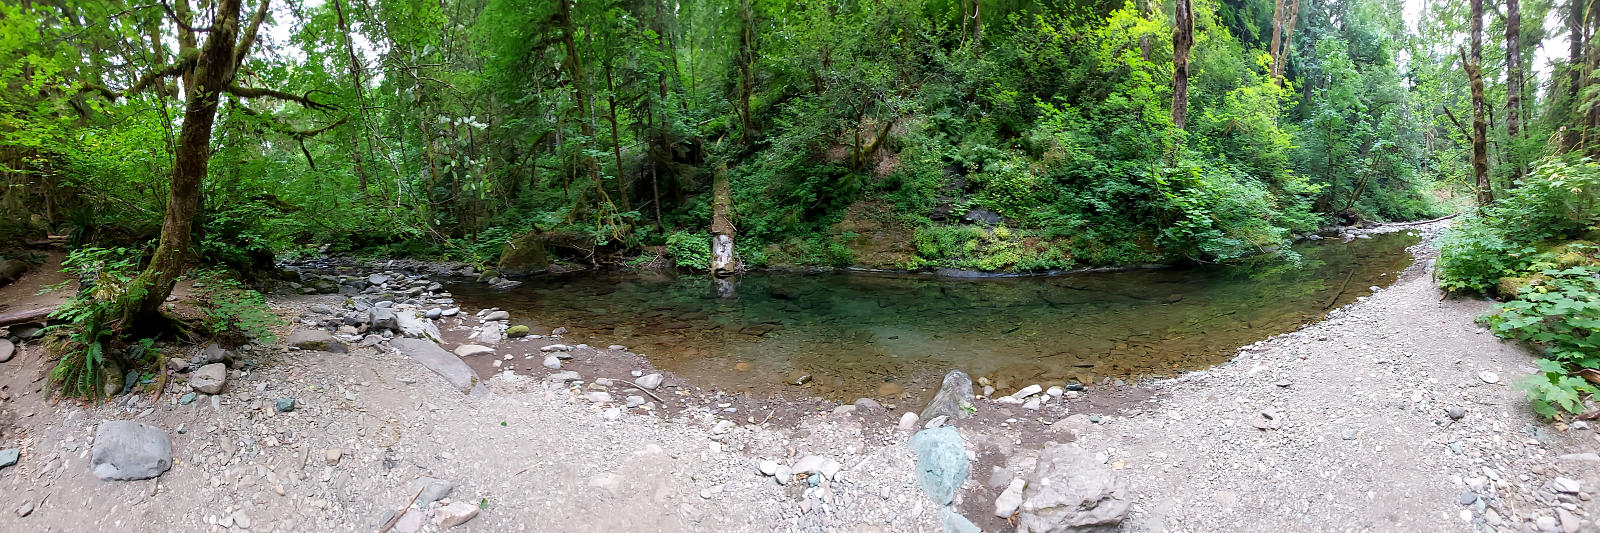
205	72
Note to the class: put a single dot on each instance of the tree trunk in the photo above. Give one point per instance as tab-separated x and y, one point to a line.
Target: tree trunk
745	61
580	94
1480	124
354	66
723	261
616	139
1575	60
1514	87
213	71
1182	41
1275	47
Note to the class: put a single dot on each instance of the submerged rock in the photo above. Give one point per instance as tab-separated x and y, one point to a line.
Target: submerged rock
1071	491
941	462
128	450
954	399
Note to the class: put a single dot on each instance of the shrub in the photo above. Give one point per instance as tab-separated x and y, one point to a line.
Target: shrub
689	250
1562	316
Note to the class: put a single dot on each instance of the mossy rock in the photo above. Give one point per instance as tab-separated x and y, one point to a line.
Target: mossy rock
517	331
1510	286
1573	259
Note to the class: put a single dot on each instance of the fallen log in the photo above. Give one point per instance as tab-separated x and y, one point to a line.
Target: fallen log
30	315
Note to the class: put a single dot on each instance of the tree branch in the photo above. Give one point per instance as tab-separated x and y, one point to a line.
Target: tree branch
182	22
262	92
139	85
249	39
280	126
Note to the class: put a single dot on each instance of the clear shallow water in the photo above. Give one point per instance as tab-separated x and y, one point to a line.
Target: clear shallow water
893	337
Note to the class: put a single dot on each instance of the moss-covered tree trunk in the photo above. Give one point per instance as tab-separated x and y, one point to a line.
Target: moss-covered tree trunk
1182	41
724	262
213	71
1480	123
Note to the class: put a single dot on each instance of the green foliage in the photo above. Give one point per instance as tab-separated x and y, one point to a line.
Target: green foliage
231	309
85	344
689	250
1561	315
1556	202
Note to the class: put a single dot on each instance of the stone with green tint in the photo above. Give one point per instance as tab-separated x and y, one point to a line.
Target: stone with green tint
941	462
186	399
285	405
517	331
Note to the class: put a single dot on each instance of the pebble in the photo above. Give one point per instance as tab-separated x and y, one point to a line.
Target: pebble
283	405
597	396
1489	377
908	421
722	427
9	456
1456	412
634	401
648	382
1566	485
26	509
333	455
1468	498
767	467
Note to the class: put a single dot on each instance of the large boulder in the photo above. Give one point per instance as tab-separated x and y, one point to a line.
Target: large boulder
128	450
941	462
209	379
1071	492
954	399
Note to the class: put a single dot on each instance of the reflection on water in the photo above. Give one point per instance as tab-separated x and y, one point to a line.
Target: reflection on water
893	337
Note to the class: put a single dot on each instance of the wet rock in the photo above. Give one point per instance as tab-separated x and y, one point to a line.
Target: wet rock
648	381
496	316
1071	491
954	399
128	450
470	350
941	462
311	339
209	379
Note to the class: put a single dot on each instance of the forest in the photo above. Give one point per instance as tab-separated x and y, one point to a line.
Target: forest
527	136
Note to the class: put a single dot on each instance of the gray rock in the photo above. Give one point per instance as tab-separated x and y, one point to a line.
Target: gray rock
454	370
414	326
816	464
470	350
1010	499
311	339
1489	377
1455	412
455	514
433	313
648	381
382	318
453	311
209	379
433	489
597	396
1071	491
9	456
1468	498
284	405
941	461
377	279
634	401
7	350
212	353
186	399
868	406
321	309
554	363
954	399
563	377
497	315
128	450
492	333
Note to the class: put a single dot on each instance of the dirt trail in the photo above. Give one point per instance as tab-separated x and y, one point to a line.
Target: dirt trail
1360	439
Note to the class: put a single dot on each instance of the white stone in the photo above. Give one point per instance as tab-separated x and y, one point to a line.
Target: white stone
470	350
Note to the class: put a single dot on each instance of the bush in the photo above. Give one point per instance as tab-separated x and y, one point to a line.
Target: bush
1562	316
1556	202
689	250
85	344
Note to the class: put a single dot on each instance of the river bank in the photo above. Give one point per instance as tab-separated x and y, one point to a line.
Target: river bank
1396	413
